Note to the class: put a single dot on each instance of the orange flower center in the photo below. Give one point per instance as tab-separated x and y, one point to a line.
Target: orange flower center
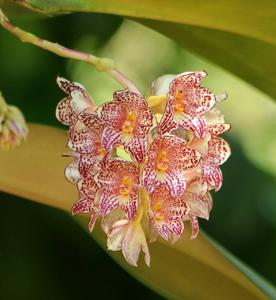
101	151
180	104
162	162
159	214
129	123
125	187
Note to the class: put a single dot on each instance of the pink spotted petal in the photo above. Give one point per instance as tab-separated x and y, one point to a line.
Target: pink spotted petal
217	129
175	182
129	98
86	164
82	141
80	99
64	112
145	122
197	124
110	138
149	178
88	187
218	151
195	227
112	114
163	232
186	80
110	178
189	159
137	149
108	202
176	226
68	87
91	120
83	206
213	176
131	206
200	101
167	123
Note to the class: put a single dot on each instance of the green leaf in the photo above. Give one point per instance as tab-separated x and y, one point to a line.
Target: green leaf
240	36
186	270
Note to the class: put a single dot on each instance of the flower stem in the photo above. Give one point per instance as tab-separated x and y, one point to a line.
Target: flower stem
102	64
143	207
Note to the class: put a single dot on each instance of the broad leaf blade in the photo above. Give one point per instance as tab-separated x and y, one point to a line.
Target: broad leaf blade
241	17
186	270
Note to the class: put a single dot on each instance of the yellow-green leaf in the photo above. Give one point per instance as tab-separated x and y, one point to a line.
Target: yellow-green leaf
185	270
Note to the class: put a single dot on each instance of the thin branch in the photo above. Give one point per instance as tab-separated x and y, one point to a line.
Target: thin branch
102	64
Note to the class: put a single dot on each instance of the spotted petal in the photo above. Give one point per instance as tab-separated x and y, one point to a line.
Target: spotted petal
200	101
112	114
110	138
175	182
149	178
213	176
86	164
217	129
83	140
218	151
176	226
108	202
131	206
195	227
64	112
83	206
187	79
168	122
88	187
137	149
189	159
196	124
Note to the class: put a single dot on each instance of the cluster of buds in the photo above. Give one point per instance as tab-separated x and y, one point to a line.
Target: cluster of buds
13	127
145	170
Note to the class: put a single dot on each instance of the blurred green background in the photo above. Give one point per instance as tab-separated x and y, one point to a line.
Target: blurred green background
44	254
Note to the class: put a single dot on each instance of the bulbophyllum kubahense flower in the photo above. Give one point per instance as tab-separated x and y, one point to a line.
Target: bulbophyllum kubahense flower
171	160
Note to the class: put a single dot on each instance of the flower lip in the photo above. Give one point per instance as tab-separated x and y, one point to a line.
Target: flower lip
125	187
130	123
162	162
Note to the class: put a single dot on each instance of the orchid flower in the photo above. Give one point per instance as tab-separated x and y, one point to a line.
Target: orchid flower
187	102
171	167
129	119
119	183
168	159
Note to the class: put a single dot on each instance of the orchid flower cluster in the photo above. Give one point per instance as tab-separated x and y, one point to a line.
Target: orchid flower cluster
13	127
145	170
